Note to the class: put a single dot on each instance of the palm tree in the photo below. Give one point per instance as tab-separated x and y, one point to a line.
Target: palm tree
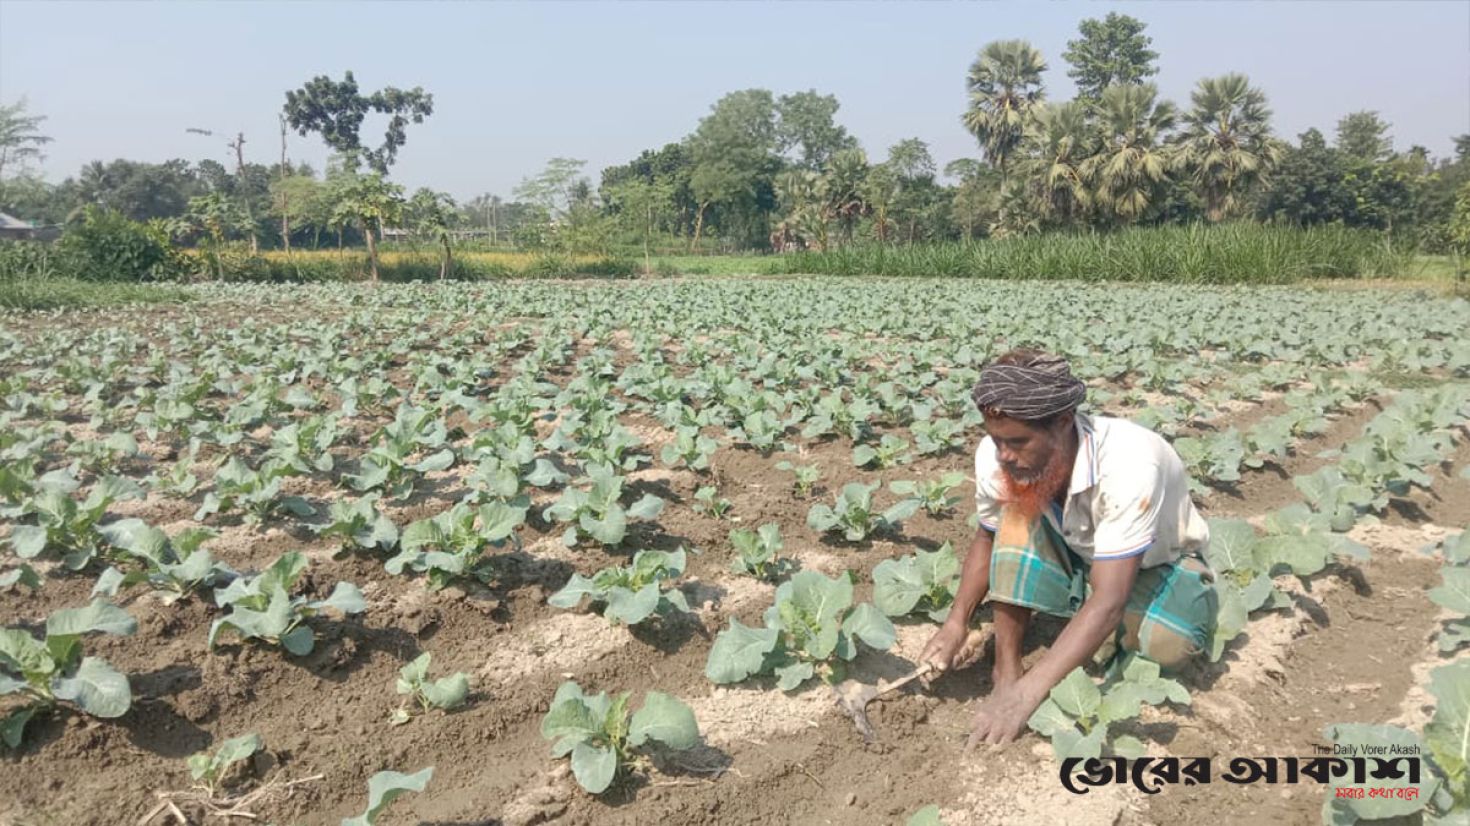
843	179
1226	146
1005	86
1133	159
1059	141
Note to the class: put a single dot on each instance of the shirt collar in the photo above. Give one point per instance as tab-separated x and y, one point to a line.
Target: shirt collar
1084	470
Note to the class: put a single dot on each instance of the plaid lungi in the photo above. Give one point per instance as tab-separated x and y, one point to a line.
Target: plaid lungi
1170	615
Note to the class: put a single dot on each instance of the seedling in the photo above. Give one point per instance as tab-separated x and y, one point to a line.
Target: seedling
261	607
812	629
444	693
629	594
757	553
601	738
45	672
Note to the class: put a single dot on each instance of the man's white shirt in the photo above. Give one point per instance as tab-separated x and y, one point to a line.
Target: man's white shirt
1129	495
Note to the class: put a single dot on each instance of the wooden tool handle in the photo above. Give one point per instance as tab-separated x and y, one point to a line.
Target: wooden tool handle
905	680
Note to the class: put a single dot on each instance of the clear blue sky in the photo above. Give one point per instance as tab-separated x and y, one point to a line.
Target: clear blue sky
517	83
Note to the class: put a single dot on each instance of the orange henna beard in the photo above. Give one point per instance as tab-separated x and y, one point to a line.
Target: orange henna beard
1031	499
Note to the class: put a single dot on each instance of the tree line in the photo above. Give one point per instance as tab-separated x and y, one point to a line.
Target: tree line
762	171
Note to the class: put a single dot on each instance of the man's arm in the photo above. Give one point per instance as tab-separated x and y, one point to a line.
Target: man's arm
974	585
974	577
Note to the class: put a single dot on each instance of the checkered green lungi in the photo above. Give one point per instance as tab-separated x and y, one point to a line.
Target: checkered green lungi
1170	615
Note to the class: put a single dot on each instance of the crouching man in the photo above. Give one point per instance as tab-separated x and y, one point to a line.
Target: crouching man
1084	517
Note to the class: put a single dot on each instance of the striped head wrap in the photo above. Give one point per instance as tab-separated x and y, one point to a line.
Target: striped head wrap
1028	385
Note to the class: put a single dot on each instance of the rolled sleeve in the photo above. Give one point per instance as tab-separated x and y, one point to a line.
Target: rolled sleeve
1128	522
987	485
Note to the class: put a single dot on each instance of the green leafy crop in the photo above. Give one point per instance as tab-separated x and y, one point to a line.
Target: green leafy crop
385	787
174	567
444	693
450	545
806	476
852	513
812	629
757	553
209	769
924	582
596	513
630	594
262	608
54	669
604	741
1077	714
933	494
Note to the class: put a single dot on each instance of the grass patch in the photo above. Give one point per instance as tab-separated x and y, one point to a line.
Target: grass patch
71	293
1199	254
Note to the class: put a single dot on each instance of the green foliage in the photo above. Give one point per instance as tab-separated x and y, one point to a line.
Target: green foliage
596	513
889	451
65	528
335	109
604	741
448	546
806	476
854	516
757	553
445	693
923	582
812	629
1199	254
1077	715
709	502
45	671
262	608
690	448
1453	592
106	246
1111	50
385	787
933	494
359	524
927	816
174	567
630	594
256	492
1295	540
209	769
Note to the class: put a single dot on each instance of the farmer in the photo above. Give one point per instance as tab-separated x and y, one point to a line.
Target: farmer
1081	516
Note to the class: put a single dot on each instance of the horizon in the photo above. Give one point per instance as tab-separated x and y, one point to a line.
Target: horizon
623	72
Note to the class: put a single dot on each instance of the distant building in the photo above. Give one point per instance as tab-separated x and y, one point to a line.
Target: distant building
14	229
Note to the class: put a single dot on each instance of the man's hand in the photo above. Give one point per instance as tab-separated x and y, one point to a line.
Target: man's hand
944	646
1002	716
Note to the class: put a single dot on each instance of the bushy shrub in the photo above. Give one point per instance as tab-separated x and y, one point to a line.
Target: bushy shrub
107	246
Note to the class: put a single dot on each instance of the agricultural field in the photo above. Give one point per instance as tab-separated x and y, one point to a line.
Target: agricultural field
264	545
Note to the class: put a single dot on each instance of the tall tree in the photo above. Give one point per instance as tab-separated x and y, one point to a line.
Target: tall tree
434	215
1004	87
335	110
1307	186
555	188
733	152
20	136
1364	135
805	127
1111	51
370	201
1133	160
1059	142
1226	144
